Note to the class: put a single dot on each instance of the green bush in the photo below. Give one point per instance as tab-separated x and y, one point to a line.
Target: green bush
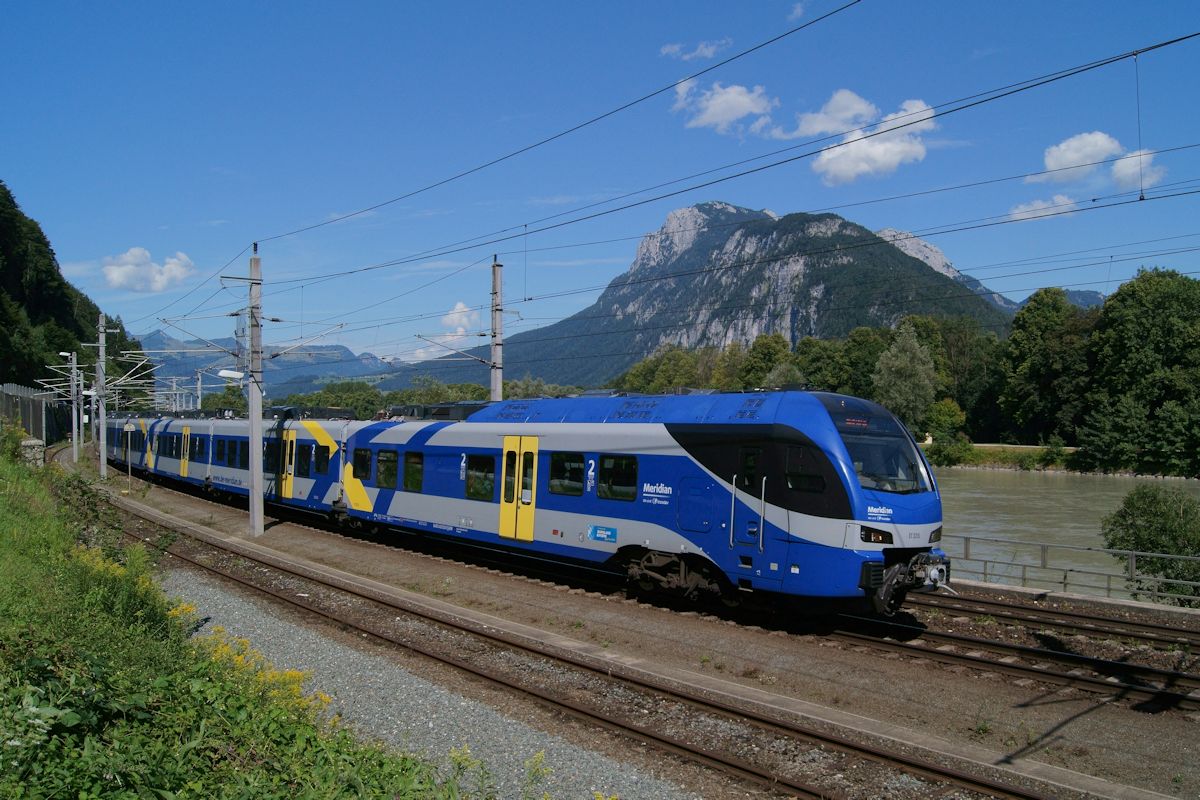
1158	519
1054	454
11	436
948	451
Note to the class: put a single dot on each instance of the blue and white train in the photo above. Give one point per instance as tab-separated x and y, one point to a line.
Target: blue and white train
802	494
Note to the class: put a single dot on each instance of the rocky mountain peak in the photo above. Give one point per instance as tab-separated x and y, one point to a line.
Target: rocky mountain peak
920	249
684	226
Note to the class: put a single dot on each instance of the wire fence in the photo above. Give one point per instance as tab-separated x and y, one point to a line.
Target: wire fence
37	412
1128	574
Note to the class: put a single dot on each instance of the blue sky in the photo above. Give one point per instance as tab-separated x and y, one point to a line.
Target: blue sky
155	141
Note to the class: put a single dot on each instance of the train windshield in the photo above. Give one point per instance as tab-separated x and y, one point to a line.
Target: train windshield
883	454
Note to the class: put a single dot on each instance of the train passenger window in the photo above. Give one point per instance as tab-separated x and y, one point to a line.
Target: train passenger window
750	468
270	456
618	478
243	454
322	460
198	449
304	460
362	464
481	477
414	471
220	456
566	473
385	468
510	476
802	471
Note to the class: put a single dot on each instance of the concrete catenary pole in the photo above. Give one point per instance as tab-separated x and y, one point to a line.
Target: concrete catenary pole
74	409
256	414
199	389
497	359
102	416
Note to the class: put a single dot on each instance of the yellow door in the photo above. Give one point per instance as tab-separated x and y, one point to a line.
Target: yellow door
287	472
183	453
518	496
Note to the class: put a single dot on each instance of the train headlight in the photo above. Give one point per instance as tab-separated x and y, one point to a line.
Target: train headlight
936	536
874	535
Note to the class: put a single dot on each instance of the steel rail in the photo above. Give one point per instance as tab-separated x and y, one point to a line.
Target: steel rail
1074	621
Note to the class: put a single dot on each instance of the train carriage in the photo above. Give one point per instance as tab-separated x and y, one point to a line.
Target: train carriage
795	493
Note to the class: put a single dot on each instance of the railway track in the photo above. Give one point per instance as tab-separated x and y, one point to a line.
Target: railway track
1076	622
770	724
768	728
1150	688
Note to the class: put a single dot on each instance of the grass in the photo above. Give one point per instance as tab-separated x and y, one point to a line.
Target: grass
103	694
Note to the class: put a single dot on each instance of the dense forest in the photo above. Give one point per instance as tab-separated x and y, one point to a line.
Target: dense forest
41	314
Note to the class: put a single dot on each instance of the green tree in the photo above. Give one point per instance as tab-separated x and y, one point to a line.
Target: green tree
862	350
905	380
1045	367
231	397
1144	398
1159	519
823	363
726	373
768	350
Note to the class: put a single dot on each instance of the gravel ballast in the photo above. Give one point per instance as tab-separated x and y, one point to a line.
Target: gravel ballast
380	700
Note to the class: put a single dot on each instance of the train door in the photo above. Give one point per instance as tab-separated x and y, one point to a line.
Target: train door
518	495
287	470
746	518
183	452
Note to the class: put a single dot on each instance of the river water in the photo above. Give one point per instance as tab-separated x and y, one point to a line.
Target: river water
1056	508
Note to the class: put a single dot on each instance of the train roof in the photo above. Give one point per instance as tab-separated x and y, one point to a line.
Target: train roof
731	408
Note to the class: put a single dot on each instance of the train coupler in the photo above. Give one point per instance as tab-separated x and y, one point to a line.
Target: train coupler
924	572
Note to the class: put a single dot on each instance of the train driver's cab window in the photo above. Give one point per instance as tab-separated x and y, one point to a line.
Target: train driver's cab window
804	470
414	471
304	460
321	461
617	478
385	468
481	477
566	473
361	464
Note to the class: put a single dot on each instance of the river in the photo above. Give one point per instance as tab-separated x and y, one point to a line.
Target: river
1057	508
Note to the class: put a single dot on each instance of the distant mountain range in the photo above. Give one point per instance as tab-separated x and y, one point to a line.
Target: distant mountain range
713	274
301	371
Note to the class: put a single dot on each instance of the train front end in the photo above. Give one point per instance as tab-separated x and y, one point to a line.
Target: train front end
894	502
864	512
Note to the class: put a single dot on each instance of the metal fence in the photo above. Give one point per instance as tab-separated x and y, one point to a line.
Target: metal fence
1126	574
38	413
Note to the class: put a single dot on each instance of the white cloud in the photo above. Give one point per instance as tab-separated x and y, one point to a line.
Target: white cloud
1137	170
796	13
461	318
1082	148
134	270
721	107
701	50
460	322
683	94
1041	208
896	140
845	111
